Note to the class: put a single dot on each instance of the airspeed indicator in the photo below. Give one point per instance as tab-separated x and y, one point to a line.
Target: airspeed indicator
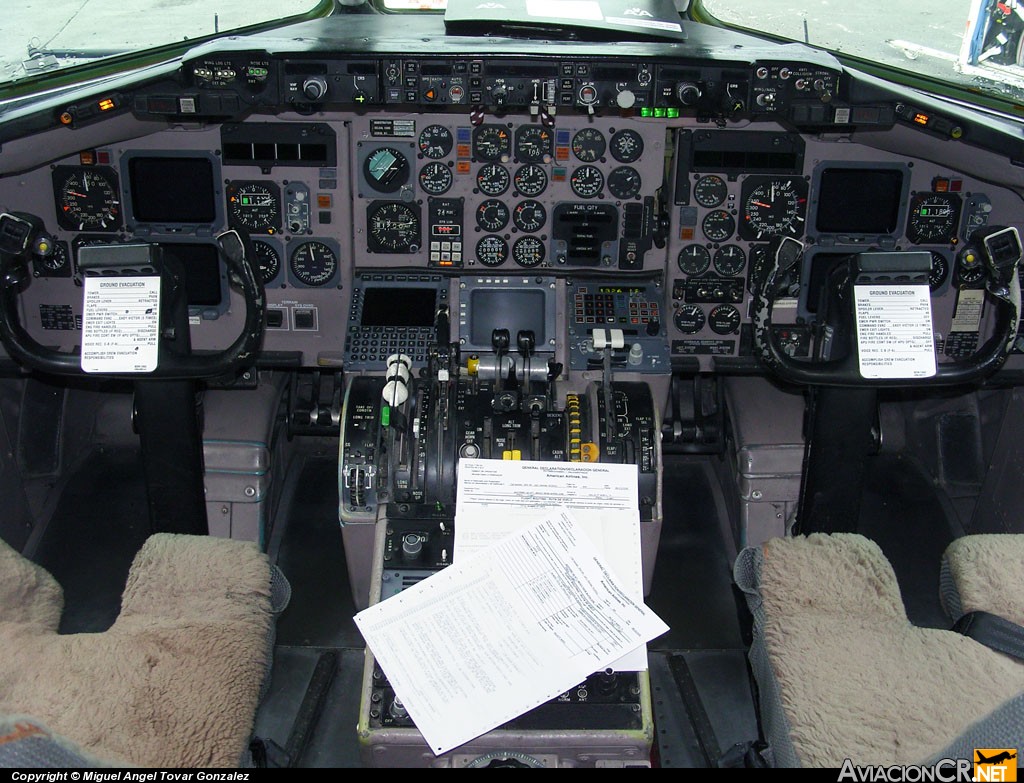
773	206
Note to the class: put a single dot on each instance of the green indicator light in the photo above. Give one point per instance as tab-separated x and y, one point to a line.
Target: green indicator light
385	416
645	111
673	113
658	112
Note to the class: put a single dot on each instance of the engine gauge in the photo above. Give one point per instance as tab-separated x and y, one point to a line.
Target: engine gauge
436	178
729	260
724	319
88	198
313	263
436	142
626	145
492	215
694	260
689	319
528	251
773	207
530	180
939	271
587	181
529	216
491	142
255	205
493	179
491	250
710	191
718	225
588	145
386	169
624	182
934	218
268	260
533	144
393	227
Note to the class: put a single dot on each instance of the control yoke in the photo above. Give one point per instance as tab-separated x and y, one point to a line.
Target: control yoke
22	237
999	246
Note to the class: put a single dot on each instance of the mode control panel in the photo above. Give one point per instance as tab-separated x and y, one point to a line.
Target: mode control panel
611	306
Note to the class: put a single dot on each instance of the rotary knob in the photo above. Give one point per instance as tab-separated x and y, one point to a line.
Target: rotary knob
314	87
688	93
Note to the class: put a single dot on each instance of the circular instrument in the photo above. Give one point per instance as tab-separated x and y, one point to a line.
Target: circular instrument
533	144
588	145
694	260
255	205
493	179
587	181
718	225
730	260
393	227
530	180
624	182
492	215
934	218
386	169
529	216
689	319
313	263
268	260
491	142
528	251
773	207
88	198
491	250
436	142
626	145
436	178
724	319
710	191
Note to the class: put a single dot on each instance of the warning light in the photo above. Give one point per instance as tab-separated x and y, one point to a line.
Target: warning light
921	118
940	185
66	118
87	157
107	104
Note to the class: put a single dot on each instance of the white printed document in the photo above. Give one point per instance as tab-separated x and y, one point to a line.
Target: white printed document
121	324
494	498
495	635
894	331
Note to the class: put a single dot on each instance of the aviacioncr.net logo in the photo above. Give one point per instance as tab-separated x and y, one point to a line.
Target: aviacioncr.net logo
995	765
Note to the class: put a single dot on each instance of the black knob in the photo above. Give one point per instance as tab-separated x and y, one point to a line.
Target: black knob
688	93
526	342
499	95
501	340
653	327
314	88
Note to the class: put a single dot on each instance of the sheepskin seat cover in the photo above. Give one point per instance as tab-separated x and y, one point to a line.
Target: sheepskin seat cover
855	679
987	575
174	682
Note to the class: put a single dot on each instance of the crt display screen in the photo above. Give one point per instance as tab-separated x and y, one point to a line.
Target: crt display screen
859	201
516	311
172	190
399	307
201	263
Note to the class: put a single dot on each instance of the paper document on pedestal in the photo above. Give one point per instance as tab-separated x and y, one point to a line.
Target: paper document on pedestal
494	635
497	497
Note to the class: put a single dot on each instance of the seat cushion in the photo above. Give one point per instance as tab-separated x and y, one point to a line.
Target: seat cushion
175	681
985	573
842	672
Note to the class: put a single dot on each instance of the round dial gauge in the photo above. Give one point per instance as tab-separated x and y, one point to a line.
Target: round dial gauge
724	319
393	227
933	218
528	251
88	198
626	145
529	216
492	215
774	208
530	180
588	145
268	260
533	144
58	263
939	271
694	260
491	142
313	263
730	260
493	179
436	178
386	169
587	181
689	319
710	191
491	250
624	182
718	225
436	142
970	269
256	205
